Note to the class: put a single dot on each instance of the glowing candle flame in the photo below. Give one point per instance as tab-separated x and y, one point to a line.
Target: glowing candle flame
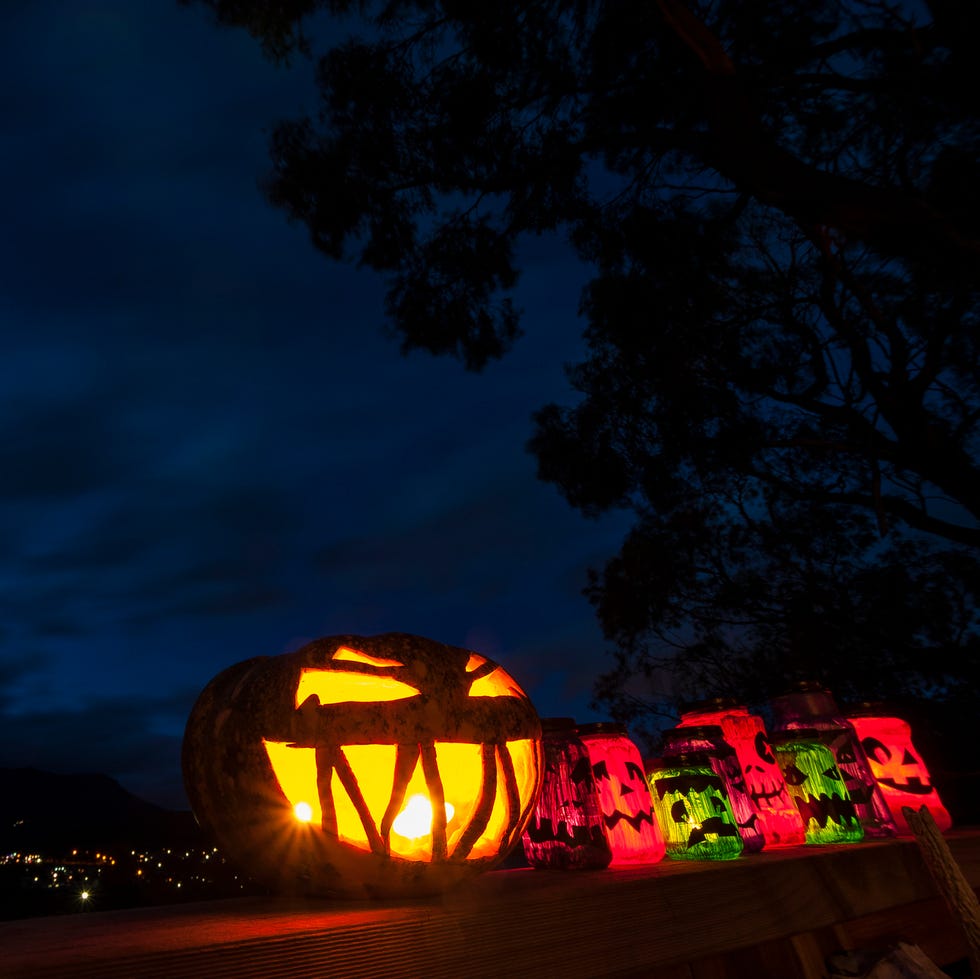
415	820
303	811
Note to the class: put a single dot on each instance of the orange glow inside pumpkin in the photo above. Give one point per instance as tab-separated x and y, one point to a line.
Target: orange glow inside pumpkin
415	820
495	684
356	656
303	811
339	687
460	769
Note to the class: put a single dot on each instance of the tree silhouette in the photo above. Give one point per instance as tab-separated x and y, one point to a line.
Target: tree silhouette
780	207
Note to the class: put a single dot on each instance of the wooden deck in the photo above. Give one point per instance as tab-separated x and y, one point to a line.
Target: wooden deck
775	915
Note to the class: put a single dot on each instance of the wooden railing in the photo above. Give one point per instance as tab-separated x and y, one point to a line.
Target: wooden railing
776	914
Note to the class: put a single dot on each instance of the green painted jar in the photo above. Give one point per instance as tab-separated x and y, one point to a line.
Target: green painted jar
692	808
817	787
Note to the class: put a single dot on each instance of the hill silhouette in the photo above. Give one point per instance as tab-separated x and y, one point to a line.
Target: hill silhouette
49	812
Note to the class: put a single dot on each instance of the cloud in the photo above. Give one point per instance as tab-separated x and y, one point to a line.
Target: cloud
208	447
135	740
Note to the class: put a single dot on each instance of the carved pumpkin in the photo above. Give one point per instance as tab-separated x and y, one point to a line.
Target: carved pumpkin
364	766
692	808
565	831
818	788
624	795
901	773
778	817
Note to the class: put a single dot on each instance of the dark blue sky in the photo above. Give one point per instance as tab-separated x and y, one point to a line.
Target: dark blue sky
209	449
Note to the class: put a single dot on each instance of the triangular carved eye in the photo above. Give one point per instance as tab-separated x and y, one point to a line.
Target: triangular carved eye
495	684
909	759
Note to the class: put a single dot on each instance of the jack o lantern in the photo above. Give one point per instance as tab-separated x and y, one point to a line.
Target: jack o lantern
817	786
899	769
364	766
624	795
778	817
692	808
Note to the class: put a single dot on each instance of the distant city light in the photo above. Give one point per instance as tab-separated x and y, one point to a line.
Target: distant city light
84	896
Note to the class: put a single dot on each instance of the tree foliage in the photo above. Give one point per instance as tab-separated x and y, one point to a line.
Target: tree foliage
779	203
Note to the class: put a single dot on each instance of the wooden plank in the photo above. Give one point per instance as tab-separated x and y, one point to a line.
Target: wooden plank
615	923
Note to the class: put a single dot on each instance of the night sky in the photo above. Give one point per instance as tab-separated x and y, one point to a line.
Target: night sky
210	450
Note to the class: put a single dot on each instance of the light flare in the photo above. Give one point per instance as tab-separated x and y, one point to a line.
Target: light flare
415	820
303	811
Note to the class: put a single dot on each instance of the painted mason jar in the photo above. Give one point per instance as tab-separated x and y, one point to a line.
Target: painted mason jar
810	705
897	766
692	807
746	732
818	788
624	796
708	738
566	830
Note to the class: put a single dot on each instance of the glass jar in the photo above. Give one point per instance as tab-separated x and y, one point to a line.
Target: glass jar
897	766
566	830
810	705
818	788
778	817
708	738
624	795
692	807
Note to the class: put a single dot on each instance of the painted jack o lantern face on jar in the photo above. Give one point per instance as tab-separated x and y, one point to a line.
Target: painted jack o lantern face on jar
809	705
898	768
778	819
364	766
565	831
624	795
692	809
818	789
